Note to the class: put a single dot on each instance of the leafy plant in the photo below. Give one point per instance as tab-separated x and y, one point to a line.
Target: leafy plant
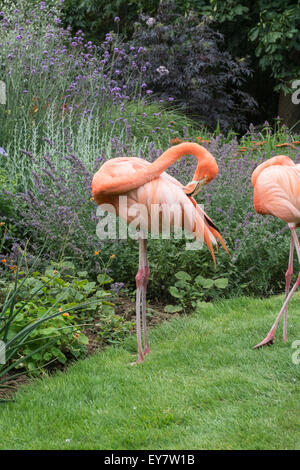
97	16
113	328
188	292
39	319
277	35
272	26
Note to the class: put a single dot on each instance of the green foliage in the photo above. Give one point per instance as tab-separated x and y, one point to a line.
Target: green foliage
188	292
7	229
277	35
96	17
272	26
41	315
5	185
113	328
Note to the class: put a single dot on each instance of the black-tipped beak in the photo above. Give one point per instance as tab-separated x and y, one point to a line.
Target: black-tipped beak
194	187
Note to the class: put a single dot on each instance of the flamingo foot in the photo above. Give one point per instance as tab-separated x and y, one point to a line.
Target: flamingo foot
146	350
268	341
140	359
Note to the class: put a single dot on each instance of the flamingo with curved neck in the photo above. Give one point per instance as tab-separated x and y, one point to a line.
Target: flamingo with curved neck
148	184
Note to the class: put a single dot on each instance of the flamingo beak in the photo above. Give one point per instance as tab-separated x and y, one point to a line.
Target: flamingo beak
194	187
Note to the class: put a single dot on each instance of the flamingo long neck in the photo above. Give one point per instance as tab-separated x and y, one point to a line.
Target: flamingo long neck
122	184
173	154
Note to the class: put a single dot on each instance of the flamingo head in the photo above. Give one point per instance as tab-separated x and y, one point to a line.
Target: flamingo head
206	171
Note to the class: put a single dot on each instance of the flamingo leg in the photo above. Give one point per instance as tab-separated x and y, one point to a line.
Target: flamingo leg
296	241
141	286
138	325
146	274
269	339
288	277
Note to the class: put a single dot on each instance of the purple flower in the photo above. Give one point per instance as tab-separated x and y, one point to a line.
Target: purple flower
116	287
2	152
117	19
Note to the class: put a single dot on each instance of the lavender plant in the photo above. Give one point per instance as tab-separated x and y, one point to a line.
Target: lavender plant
48	70
56	80
58	207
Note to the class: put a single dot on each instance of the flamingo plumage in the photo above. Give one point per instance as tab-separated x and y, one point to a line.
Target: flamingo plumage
276	184
148	185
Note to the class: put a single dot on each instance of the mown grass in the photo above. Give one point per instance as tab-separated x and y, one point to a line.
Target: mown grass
202	387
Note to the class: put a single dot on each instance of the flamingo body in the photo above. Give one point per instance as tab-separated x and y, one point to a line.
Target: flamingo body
276	184
277	192
164	192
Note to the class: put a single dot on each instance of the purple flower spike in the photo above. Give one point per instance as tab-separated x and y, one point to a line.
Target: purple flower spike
2	152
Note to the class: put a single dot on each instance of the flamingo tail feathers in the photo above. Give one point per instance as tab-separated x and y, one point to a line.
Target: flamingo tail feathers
210	233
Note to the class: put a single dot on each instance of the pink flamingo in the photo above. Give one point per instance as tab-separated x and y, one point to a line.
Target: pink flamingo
276	184
147	184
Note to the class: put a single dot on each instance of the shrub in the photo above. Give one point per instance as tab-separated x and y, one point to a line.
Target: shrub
97	16
185	61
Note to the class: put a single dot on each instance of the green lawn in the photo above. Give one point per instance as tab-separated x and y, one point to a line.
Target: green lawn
202	387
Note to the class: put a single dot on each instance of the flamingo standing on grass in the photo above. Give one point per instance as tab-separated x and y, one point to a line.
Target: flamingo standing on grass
147	184
276	184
